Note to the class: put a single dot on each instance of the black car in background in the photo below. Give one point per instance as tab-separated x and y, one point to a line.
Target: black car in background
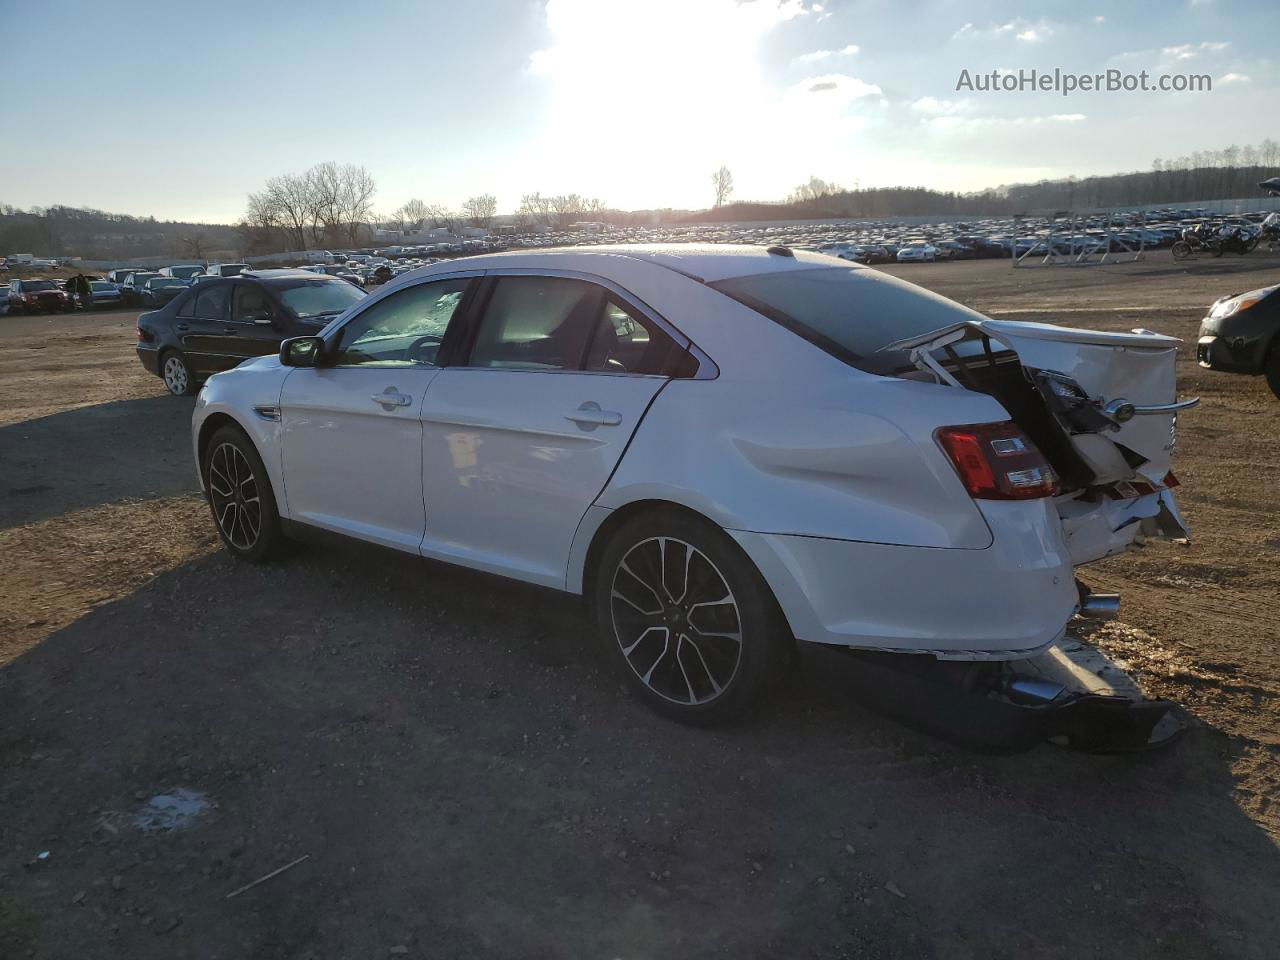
158	291
134	283
1241	334
36	296
220	322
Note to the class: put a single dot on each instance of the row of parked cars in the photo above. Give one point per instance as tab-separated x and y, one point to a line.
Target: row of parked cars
888	241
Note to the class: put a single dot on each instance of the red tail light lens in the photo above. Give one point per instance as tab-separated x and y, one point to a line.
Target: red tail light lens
997	461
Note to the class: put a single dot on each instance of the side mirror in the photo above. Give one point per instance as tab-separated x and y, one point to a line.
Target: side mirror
301	351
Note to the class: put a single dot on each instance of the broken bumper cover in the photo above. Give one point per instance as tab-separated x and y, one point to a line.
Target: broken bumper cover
1071	695
1007	601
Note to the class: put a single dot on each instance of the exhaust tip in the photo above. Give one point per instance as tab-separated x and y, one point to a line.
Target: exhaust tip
1100	606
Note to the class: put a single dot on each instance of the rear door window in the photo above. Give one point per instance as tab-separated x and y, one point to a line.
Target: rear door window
213	302
624	341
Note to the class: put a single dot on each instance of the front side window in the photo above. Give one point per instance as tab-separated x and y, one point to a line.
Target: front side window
250	301
537	323
406	328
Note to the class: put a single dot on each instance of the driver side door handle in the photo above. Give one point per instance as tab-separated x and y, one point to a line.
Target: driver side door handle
391	398
590	415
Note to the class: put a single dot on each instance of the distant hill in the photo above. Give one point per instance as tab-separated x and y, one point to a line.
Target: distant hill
96	235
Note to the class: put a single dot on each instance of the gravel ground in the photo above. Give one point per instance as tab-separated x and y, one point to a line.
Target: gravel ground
465	778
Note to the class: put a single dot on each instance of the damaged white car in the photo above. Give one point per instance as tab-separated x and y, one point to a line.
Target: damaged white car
724	448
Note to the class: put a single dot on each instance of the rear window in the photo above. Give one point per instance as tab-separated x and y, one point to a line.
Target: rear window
849	312
35	286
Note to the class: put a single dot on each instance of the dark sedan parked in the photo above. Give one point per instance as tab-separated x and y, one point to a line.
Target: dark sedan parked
220	322
158	291
36	296
1241	334
133	285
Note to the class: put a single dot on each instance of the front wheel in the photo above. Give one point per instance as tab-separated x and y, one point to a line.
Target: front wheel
240	496
1272	369
1181	250
687	618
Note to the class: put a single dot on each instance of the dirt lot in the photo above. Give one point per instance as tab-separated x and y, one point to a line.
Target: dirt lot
466	779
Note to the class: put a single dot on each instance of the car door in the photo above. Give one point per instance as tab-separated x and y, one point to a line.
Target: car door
257	325
521	436
352	439
201	324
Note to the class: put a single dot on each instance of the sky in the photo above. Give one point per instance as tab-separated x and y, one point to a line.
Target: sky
180	110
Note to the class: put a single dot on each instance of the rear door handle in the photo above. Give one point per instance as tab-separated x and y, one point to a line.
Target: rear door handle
182	328
589	416
392	398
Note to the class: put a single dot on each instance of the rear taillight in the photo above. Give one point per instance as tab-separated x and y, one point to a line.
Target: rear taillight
997	461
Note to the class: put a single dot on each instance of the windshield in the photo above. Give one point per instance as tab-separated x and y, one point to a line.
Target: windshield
101	286
847	311
185	272
166	282
320	298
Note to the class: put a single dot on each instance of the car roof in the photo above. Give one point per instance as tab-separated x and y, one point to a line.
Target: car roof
706	262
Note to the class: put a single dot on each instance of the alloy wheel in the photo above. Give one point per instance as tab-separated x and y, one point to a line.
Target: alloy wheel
233	490
175	375
676	621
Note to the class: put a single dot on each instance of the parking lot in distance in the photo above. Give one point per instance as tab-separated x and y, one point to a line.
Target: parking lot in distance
461	772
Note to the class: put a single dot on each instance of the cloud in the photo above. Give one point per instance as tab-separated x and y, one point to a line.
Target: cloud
952	122
1227	79
1024	31
935	107
1189	51
817	55
841	86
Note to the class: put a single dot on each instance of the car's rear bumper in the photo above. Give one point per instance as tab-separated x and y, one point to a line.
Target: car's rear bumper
150	358
1004	602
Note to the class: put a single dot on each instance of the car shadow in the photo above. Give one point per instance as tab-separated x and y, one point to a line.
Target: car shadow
95	455
456	760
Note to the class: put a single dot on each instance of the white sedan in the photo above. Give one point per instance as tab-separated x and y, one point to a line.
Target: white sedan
725	449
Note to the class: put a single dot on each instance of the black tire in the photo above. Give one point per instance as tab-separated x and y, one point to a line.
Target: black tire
1271	369
240	497
729	648
176	374
1181	250
1217	250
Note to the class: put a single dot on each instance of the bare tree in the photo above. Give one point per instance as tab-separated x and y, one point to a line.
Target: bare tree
193	245
813	191
413	211
481	210
535	208
722	181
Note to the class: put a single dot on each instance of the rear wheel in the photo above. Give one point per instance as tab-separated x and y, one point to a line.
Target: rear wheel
177	375
687	618
240	496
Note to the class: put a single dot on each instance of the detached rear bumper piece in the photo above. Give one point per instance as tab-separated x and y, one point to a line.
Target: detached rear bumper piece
1071	696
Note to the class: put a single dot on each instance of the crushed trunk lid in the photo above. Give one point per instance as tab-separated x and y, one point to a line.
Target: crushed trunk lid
1114	394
